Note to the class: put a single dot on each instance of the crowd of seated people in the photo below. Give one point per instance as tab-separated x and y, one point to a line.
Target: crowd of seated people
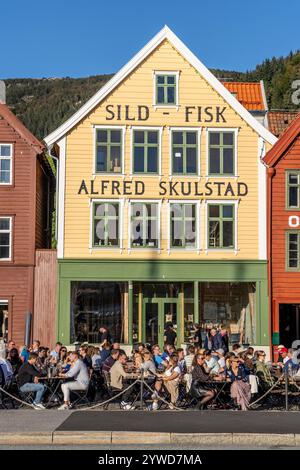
195	370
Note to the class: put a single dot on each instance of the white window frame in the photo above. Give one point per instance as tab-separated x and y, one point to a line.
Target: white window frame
121	211
176	73
183	129
11	163
108	127
198	224
145	201
232	202
235	130
146	128
10	237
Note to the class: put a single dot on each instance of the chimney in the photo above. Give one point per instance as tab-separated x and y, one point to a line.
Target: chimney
2	92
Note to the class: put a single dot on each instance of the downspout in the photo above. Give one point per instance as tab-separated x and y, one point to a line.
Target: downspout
270	172
56	186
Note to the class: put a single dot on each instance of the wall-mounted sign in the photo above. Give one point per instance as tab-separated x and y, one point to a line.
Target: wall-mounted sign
164	188
294	221
142	113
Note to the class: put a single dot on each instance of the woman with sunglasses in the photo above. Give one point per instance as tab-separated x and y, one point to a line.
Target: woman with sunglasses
201	388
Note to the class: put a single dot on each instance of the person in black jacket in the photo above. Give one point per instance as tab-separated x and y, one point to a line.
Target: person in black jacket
28	381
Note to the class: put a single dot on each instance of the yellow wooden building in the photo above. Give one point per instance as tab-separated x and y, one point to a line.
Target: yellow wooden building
162	205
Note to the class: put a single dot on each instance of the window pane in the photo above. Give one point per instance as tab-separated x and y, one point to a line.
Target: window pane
4	177
293	263
99	238
160	79
138	166
227	233
190	233
5	165
152	137
190	210
4	224
214	211
113	232
115	136
137	236
177	137
214	234
160	94
176	210
137	209
5	150
227	211
102	136
293	179
228	138
152	240
191	138
138	137
171	94
152	160
214	138
101	158
112	210
115	159
293	196
151	210
178	160
191	157
228	160
99	210
214	160
4	252
4	239
171	79
176	228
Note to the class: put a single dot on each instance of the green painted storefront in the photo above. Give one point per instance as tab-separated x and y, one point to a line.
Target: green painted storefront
134	272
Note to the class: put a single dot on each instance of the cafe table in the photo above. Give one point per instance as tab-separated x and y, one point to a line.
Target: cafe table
53	385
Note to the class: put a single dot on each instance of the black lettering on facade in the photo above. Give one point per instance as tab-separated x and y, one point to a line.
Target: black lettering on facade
219	114
188	111
228	190
163	189
83	188
143	113
109	109
242	189
115	187
139	188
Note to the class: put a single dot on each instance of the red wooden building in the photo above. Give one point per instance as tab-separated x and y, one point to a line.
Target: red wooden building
26	188
283	162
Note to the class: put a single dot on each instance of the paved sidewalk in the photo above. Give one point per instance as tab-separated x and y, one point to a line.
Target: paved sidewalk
205	428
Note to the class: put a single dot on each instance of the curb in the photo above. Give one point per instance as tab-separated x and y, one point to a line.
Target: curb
124	437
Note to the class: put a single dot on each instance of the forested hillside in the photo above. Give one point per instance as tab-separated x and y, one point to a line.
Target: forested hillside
43	104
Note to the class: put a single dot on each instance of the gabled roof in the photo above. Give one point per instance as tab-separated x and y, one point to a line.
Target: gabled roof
283	143
164	34
249	94
19	127
280	120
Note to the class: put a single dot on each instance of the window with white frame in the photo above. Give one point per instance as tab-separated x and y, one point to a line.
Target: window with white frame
144	225
221	153
185	152
145	143
5	238
106	224
109	144
5	163
166	88
221	226
183	228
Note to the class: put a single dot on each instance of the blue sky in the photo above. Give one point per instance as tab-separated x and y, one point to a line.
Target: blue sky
77	38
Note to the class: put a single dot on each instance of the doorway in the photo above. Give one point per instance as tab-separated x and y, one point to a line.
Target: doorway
289	323
157	312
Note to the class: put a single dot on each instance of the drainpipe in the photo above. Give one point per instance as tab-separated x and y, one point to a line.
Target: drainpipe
270	173
56	186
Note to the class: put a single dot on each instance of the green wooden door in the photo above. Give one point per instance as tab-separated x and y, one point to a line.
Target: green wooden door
156	313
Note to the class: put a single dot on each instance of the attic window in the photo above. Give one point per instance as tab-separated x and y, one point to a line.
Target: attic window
166	89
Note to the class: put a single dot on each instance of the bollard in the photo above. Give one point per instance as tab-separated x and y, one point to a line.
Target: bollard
142	389
286	383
